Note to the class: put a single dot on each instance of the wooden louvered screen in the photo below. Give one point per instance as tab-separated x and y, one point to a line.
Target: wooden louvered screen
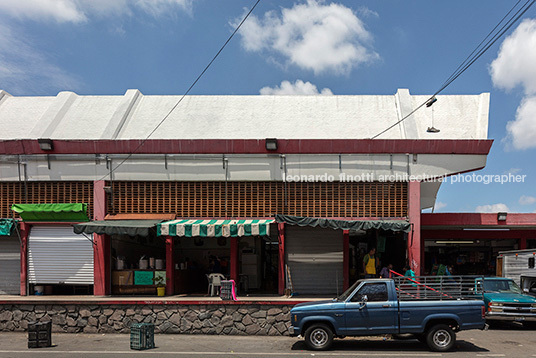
44	193
260	199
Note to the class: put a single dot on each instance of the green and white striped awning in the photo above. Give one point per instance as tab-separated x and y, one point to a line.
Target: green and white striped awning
215	227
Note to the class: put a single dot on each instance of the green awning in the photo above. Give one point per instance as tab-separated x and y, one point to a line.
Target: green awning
215	227
118	227
393	225
6	225
52	212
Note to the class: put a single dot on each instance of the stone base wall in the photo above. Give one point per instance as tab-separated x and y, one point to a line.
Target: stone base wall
250	319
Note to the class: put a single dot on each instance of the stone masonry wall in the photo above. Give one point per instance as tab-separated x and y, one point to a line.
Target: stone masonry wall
244	319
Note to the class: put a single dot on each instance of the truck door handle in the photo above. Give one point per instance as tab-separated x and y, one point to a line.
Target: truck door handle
386	306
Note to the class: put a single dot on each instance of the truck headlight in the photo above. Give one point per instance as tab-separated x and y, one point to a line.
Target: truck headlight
492	303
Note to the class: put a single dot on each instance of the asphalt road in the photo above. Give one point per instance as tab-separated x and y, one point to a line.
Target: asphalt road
504	341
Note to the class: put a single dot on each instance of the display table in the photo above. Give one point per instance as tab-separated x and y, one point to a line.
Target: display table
135	281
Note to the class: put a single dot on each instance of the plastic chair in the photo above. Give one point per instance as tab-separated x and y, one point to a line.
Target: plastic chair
214	283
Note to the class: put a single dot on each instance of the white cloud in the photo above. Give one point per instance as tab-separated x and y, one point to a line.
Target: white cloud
25	70
492	208
313	36
297	88
514	66
521	132
513	171
527	200
439	205
77	11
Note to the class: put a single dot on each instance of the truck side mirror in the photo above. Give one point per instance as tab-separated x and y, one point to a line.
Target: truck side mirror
364	300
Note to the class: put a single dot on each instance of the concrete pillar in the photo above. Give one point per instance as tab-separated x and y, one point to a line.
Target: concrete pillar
415	245
170	267
101	248
281	266
234	260
346	259
24	232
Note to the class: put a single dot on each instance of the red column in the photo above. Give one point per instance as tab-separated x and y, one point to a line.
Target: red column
101	248
346	259
170	267
234	259
24	232
415	246
281	266
523	242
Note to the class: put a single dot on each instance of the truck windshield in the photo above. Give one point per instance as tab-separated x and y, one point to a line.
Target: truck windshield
349	291
501	286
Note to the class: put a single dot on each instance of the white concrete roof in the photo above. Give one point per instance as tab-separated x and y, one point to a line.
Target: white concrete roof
134	116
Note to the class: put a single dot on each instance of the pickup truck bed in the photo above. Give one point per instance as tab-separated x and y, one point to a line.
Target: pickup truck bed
431	311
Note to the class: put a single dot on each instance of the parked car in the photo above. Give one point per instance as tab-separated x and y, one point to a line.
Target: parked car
431	308
505	301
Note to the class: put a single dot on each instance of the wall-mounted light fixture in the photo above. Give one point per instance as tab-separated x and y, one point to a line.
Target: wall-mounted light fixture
108	190
271	143
501	216
45	144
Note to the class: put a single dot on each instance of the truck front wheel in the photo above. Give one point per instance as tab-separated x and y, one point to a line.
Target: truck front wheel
440	338
318	337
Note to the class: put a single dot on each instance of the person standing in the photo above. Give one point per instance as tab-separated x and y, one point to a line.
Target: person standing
386	271
369	264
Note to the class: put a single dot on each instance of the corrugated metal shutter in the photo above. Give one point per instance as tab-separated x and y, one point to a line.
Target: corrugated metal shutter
9	265
57	255
315	259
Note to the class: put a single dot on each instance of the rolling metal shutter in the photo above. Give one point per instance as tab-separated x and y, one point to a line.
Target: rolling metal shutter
56	255
9	265
315	259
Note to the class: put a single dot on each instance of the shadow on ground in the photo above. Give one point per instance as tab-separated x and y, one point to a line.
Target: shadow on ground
389	345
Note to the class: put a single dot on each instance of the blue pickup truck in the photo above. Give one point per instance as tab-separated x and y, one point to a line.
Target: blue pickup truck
430	308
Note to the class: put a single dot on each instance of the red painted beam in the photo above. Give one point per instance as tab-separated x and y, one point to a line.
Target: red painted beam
170	267
46	301
477	219
281	266
251	146
476	235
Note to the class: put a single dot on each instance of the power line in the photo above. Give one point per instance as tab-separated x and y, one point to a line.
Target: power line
474	56
185	93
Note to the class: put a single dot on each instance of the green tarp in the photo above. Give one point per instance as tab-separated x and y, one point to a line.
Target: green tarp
6	225
118	227
393	225
52	212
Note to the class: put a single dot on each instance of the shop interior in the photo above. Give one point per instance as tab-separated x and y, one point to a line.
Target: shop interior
390	247
139	262
465	257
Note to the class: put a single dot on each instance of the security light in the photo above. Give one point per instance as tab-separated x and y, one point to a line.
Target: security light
501	216
271	143
45	144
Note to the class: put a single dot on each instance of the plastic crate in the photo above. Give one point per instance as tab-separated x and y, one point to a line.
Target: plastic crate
227	291
39	334
142	336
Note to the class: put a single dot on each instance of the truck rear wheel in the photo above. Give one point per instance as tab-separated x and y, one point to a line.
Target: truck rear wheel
318	337
440	338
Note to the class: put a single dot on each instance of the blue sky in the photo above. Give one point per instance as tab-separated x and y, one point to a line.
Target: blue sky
345	47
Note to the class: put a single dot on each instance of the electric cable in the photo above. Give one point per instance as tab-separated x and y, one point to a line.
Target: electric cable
185	93
470	60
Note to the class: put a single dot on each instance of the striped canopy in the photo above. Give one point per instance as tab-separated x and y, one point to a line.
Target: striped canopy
215	227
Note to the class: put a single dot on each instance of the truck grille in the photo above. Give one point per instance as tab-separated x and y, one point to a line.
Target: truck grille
516	307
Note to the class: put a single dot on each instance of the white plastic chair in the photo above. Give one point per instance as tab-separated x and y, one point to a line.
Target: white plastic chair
214	283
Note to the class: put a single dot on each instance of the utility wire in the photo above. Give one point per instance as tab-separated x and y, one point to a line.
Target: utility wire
470	60
185	93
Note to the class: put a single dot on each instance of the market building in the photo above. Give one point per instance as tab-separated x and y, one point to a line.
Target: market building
274	192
